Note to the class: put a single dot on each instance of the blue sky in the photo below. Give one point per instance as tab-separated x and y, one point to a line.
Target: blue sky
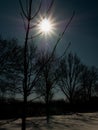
82	33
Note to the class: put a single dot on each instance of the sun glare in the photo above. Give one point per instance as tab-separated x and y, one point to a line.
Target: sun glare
45	26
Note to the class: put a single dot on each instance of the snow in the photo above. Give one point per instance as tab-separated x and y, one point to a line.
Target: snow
78	121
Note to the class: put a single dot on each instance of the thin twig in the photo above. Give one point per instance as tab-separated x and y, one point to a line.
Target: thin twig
36	13
50	7
23	21
21	6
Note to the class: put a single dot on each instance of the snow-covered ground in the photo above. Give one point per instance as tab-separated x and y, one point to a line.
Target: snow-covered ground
84	121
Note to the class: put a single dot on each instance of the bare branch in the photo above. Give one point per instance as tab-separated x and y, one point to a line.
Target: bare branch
34	36
64	51
27	7
23	21
60	36
35	98
30	9
36	13
68	23
50	6
34	25
21	6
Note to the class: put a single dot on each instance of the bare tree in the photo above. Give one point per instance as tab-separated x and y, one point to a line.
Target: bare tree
89	80
47	80
69	71
10	65
28	18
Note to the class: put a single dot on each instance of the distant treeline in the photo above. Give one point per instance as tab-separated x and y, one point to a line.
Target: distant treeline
13	109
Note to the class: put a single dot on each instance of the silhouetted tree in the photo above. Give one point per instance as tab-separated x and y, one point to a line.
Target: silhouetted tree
28	20
70	69
9	66
89	80
47	80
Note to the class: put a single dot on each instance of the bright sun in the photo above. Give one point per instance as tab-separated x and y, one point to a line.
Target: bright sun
45	26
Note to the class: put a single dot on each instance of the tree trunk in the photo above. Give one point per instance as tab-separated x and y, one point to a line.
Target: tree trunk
47	112
25	77
47	107
24	113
